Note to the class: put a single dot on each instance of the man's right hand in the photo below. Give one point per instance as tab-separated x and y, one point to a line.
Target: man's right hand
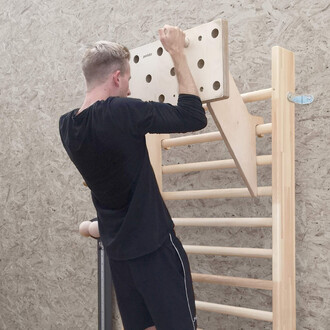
173	39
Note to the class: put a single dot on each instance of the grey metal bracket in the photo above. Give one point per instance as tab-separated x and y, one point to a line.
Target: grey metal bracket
300	99
104	289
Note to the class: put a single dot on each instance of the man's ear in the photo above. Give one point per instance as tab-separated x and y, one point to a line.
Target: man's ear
116	78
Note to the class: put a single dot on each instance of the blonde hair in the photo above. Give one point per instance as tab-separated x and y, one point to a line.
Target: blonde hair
101	59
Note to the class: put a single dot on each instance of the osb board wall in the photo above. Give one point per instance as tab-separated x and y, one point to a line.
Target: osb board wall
48	272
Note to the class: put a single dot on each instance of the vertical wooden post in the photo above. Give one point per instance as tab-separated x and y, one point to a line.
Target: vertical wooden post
283	182
154	145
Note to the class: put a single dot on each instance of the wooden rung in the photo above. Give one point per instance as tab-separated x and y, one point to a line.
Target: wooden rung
215	193
223	222
233	281
200	166
264	129
208	137
235	311
211	165
264	160
191	139
229	251
260	95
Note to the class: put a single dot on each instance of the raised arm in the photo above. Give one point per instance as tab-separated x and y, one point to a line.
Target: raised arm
173	40
188	115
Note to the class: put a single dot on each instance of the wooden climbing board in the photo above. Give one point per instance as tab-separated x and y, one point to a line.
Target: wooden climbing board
153	74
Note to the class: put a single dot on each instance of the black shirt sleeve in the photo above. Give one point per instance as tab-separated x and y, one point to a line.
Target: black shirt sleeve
153	117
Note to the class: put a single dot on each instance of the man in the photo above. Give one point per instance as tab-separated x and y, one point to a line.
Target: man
105	139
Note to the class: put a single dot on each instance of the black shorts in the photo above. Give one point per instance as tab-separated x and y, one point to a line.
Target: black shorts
156	289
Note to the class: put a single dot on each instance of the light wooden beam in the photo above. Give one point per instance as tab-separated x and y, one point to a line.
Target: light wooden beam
211	165
260	95
229	251
223	222
263	129
191	139
155	154
233	281
208	137
235	311
214	193
283	180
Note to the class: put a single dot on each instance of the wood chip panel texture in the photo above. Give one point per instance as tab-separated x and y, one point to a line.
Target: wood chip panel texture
48	272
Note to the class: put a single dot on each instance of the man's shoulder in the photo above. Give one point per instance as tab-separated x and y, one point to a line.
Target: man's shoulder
68	114
64	118
126	107
124	101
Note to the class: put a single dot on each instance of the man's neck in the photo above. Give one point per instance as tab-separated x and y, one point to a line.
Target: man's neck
97	94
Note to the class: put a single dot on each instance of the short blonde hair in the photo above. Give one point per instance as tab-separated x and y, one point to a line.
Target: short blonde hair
103	58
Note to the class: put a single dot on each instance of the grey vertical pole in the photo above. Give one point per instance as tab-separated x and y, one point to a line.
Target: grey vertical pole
104	289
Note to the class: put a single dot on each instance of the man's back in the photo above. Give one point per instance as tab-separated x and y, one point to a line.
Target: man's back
106	155
106	142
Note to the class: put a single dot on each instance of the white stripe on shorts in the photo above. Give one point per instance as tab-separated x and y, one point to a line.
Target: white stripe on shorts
185	282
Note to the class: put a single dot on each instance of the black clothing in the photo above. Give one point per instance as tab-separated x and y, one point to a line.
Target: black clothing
156	289
107	144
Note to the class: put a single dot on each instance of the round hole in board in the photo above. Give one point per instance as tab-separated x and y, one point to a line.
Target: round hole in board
172	72
160	51
200	63
148	78
161	98
200	38
201	89
215	33
136	59
216	85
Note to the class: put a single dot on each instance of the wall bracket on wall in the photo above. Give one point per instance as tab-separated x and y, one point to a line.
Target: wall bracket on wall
300	99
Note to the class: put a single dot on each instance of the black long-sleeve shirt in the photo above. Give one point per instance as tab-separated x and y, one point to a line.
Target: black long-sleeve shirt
106	142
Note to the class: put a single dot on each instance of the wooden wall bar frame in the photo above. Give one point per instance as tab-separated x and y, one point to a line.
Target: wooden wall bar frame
283	285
